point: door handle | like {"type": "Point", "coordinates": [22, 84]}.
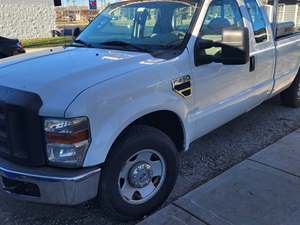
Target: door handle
{"type": "Point", "coordinates": [252, 63]}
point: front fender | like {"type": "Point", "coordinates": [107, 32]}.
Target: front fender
{"type": "Point", "coordinates": [110, 114]}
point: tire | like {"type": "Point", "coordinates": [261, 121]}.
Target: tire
{"type": "Point", "coordinates": [138, 143]}
{"type": "Point", "coordinates": [291, 96]}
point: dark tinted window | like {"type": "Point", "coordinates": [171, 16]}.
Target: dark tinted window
{"type": "Point", "coordinates": [257, 20]}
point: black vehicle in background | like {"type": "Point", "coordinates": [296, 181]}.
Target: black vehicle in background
{"type": "Point", "coordinates": [10, 47]}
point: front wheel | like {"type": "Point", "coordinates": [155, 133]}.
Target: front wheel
{"type": "Point", "coordinates": [291, 96]}
{"type": "Point", "coordinates": [140, 173]}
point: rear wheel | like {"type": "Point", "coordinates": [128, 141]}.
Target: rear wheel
{"type": "Point", "coordinates": [291, 96]}
{"type": "Point", "coordinates": [140, 173]}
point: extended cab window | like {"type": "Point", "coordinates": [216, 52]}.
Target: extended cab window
{"type": "Point", "coordinates": [288, 18]}
{"type": "Point", "coordinates": [287, 21]}
{"type": "Point", "coordinates": [257, 20]}
{"type": "Point", "coordinates": [221, 14]}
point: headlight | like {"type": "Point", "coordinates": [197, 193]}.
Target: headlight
{"type": "Point", "coordinates": [67, 141]}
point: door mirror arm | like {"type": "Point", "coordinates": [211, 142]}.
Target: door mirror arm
{"type": "Point", "coordinates": [205, 44]}
{"type": "Point", "coordinates": [76, 32]}
{"type": "Point", "coordinates": [200, 57]}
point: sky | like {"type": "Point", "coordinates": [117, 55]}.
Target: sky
{"type": "Point", "coordinates": [82, 2]}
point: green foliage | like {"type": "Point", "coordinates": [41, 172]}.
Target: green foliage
{"type": "Point", "coordinates": [46, 42]}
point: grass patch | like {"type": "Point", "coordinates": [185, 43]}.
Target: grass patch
{"type": "Point", "coordinates": [46, 42]}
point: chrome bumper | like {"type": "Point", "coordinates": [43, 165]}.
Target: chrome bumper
{"type": "Point", "coordinates": [49, 185]}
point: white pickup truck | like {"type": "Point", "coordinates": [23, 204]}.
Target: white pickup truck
{"type": "Point", "coordinates": [107, 116]}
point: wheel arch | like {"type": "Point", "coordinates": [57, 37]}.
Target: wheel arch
{"type": "Point", "coordinates": [166, 121]}
{"type": "Point", "coordinates": [166, 116]}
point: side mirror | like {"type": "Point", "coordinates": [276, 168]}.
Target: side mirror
{"type": "Point", "coordinates": [76, 32]}
{"type": "Point", "coordinates": [235, 48]}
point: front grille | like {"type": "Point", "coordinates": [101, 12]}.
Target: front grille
{"type": "Point", "coordinates": [4, 141]}
{"type": "Point", "coordinates": [12, 142]}
{"type": "Point", "coordinates": [21, 133]}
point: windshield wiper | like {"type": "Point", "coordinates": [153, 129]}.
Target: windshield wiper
{"type": "Point", "coordinates": [124, 44]}
{"type": "Point", "coordinates": [82, 43]}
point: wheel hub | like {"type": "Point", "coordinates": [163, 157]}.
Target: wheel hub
{"type": "Point", "coordinates": [140, 175]}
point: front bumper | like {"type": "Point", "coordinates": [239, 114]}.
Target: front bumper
{"type": "Point", "coordinates": [49, 185]}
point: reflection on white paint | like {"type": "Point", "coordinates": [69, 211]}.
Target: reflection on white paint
{"type": "Point", "coordinates": [111, 58]}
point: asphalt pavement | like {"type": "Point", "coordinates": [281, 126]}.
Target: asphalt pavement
{"type": "Point", "coordinates": [208, 157]}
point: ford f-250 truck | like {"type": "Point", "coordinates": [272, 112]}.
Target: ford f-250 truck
{"type": "Point", "coordinates": [107, 116]}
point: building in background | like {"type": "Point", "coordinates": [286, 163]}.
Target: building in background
{"type": "Point", "coordinates": [99, 3]}
{"type": "Point", "coordinates": [74, 15]}
{"type": "Point", "coordinates": [27, 19]}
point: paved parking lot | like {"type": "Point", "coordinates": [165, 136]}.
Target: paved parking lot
{"type": "Point", "coordinates": [208, 157]}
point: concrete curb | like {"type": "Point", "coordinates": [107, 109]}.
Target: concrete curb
{"type": "Point", "coordinates": [262, 190]}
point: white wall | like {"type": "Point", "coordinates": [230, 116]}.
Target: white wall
{"type": "Point", "coordinates": [26, 19]}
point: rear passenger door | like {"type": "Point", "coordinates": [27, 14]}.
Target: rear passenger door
{"type": "Point", "coordinates": [287, 44]}
{"type": "Point", "coordinates": [262, 61]}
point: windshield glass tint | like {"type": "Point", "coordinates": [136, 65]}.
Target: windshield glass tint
{"type": "Point", "coordinates": [155, 24]}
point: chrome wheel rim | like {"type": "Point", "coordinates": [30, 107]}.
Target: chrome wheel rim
{"type": "Point", "coordinates": [142, 176]}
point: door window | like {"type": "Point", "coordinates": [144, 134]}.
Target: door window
{"type": "Point", "coordinates": [221, 14]}
{"type": "Point", "coordinates": [257, 20]}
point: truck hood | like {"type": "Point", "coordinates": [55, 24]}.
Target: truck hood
{"type": "Point", "coordinates": [59, 75]}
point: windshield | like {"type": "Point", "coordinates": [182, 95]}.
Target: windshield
{"type": "Point", "coordinates": [140, 25]}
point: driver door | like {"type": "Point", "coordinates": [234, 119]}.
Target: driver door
{"type": "Point", "coordinates": [221, 92]}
